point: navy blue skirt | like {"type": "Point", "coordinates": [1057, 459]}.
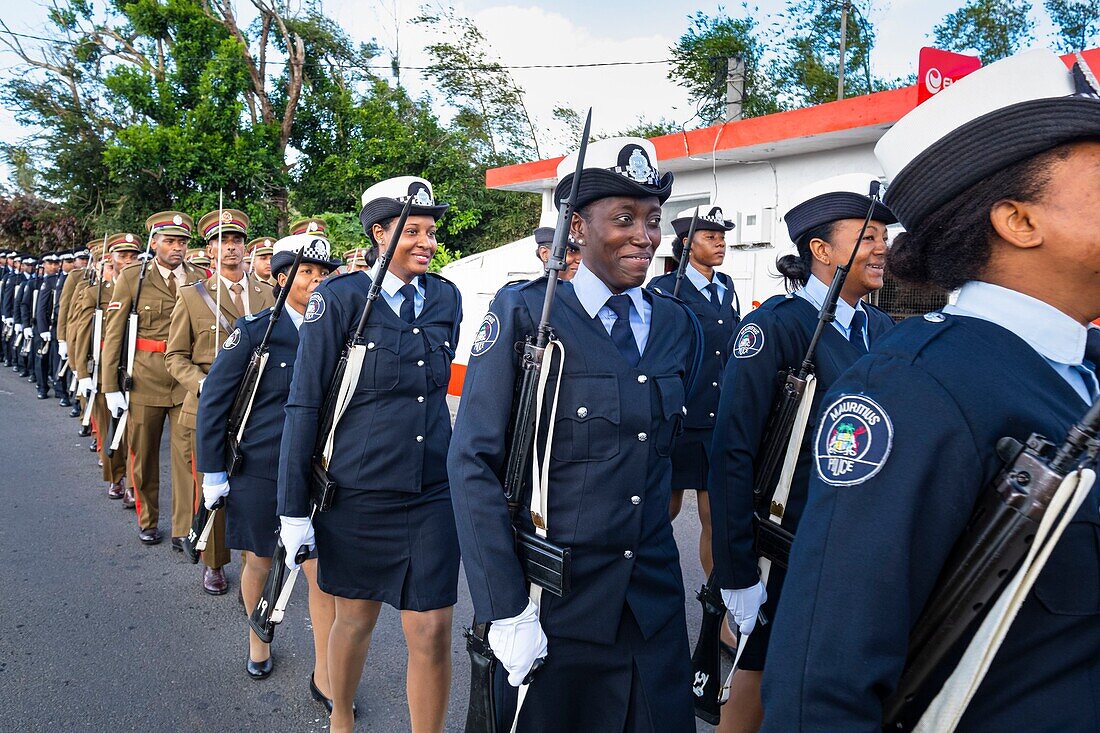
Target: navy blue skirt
{"type": "Point", "coordinates": [251, 515]}
{"type": "Point", "coordinates": [690, 464]}
{"type": "Point", "coordinates": [390, 546]}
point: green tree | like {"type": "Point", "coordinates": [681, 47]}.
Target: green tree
{"type": "Point", "coordinates": [700, 59]}
{"type": "Point", "coordinates": [808, 69]}
{"type": "Point", "coordinates": [995, 28]}
{"type": "Point", "coordinates": [1078, 23]}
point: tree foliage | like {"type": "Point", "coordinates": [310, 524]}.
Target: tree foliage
{"type": "Point", "coordinates": [995, 28]}
{"type": "Point", "coordinates": [1077, 21]}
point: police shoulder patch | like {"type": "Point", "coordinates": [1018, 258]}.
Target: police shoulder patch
{"type": "Point", "coordinates": [315, 307]}
{"type": "Point", "coordinates": [749, 341]}
{"type": "Point", "coordinates": [233, 340]}
{"type": "Point", "coordinates": [486, 336]}
{"type": "Point", "coordinates": [853, 441]}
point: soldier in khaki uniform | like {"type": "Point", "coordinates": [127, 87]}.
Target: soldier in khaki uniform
{"type": "Point", "coordinates": [199, 258]}
{"type": "Point", "coordinates": [155, 396]}
{"type": "Point", "coordinates": [260, 251]}
{"type": "Point", "coordinates": [194, 339]}
{"type": "Point", "coordinates": [122, 250]}
{"type": "Point", "coordinates": [74, 284]}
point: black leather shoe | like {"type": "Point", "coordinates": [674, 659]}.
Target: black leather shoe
{"type": "Point", "coordinates": [319, 696]}
{"type": "Point", "coordinates": [43, 395]}
{"type": "Point", "coordinates": [94, 448]}
{"type": "Point", "coordinates": [260, 670]}
{"type": "Point", "coordinates": [149, 536]}
{"type": "Point", "coordinates": [85, 431]}
{"type": "Point", "coordinates": [75, 412]}
{"type": "Point", "coordinates": [177, 544]}
{"type": "Point", "coordinates": [65, 402]}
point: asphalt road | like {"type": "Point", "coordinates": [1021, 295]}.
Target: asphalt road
{"type": "Point", "coordinates": [98, 632]}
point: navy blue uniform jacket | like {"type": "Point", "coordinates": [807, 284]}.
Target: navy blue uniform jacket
{"type": "Point", "coordinates": [868, 552]}
{"type": "Point", "coordinates": [7, 293]}
{"type": "Point", "coordinates": [395, 432]}
{"type": "Point", "coordinates": [26, 303]}
{"type": "Point", "coordinates": [48, 294]}
{"type": "Point", "coordinates": [719, 326]}
{"type": "Point", "coordinates": [610, 475]}
{"type": "Point", "coordinates": [260, 446]}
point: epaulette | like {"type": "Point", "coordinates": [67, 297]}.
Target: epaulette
{"type": "Point", "coordinates": [915, 334]}
{"type": "Point", "coordinates": [257, 316]}
{"type": "Point", "coordinates": [440, 277]}
{"type": "Point", "coordinates": [663, 294]}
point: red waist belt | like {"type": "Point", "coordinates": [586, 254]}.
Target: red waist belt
{"type": "Point", "coordinates": [151, 345]}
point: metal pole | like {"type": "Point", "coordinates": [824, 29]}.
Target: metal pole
{"type": "Point", "coordinates": [735, 88]}
{"type": "Point", "coordinates": [843, 40]}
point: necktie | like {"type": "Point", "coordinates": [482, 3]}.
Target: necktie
{"type": "Point", "coordinates": [235, 295]}
{"type": "Point", "coordinates": [408, 305]}
{"type": "Point", "coordinates": [855, 332]}
{"type": "Point", "coordinates": [171, 282]}
{"type": "Point", "coordinates": [621, 333]}
{"type": "Point", "coordinates": [714, 299]}
{"type": "Point", "coordinates": [1089, 370]}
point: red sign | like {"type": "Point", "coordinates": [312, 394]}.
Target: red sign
{"type": "Point", "coordinates": [940, 69]}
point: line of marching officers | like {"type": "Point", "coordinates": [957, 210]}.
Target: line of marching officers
{"type": "Point", "coordinates": [658, 394]}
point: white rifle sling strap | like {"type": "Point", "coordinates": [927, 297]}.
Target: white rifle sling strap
{"type": "Point", "coordinates": [779, 503]}
{"type": "Point", "coordinates": [97, 337]}
{"type": "Point", "coordinates": [946, 710]}
{"type": "Point", "coordinates": [540, 473]}
{"type": "Point", "coordinates": [354, 367]}
{"type": "Point", "coordinates": [120, 430]}
{"type": "Point", "coordinates": [252, 397]}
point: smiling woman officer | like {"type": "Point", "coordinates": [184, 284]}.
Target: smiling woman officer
{"type": "Point", "coordinates": [824, 225]}
{"type": "Point", "coordinates": [616, 646]}
{"type": "Point", "coordinates": [251, 518]}
{"type": "Point", "coordinates": [997, 181]}
{"type": "Point", "coordinates": [390, 534]}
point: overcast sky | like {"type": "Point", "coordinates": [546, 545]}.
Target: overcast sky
{"type": "Point", "coordinates": [564, 31]}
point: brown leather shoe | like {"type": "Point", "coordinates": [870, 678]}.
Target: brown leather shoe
{"type": "Point", "coordinates": [115, 490]}
{"type": "Point", "coordinates": [128, 500]}
{"type": "Point", "coordinates": [214, 582]}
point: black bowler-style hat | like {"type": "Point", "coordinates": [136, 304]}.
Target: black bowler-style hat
{"type": "Point", "coordinates": [620, 166]}
{"type": "Point", "coordinates": [831, 199]}
{"type": "Point", "coordinates": [1000, 115]}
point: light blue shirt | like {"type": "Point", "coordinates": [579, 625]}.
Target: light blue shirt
{"type": "Point", "coordinates": [390, 287]}
{"type": "Point", "coordinates": [295, 317]}
{"type": "Point", "coordinates": [1057, 338]}
{"type": "Point", "coordinates": [814, 292]}
{"type": "Point", "coordinates": [593, 294]}
{"type": "Point", "coordinates": [699, 280]}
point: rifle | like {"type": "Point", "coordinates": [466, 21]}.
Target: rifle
{"type": "Point", "coordinates": [545, 565]}
{"type": "Point", "coordinates": [344, 380]}
{"type": "Point", "coordinates": [772, 541]}
{"type": "Point", "coordinates": [985, 558]}
{"type": "Point", "coordinates": [276, 594]}
{"type": "Point", "coordinates": [129, 343]}
{"type": "Point", "coordinates": [97, 340]}
{"type": "Point", "coordinates": [202, 523]}
{"type": "Point", "coordinates": [681, 266]}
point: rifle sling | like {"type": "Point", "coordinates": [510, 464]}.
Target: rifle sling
{"type": "Point", "coordinates": [200, 288]}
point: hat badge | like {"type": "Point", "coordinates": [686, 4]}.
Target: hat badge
{"type": "Point", "coordinates": [267, 243]}
{"type": "Point", "coordinates": [422, 197]}
{"type": "Point", "coordinates": [177, 219]}
{"type": "Point", "coordinates": [312, 227]}
{"type": "Point", "coordinates": [129, 237]}
{"type": "Point", "coordinates": [227, 217]}
{"type": "Point", "coordinates": [638, 167]}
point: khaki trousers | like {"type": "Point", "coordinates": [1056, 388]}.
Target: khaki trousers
{"type": "Point", "coordinates": [144, 431]}
{"type": "Point", "coordinates": [114, 467]}
{"type": "Point", "coordinates": [216, 553]}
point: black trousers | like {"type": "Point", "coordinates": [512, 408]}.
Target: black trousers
{"type": "Point", "coordinates": [635, 685]}
{"type": "Point", "coordinates": [41, 366]}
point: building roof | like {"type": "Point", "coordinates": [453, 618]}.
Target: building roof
{"type": "Point", "coordinates": [853, 121]}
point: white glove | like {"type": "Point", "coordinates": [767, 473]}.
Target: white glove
{"type": "Point", "coordinates": [28, 332]}
{"type": "Point", "coordinates": [295, 532]}
{"type": "Point", "coordinates": [214, 487]}
{"type": "Point", "coordinates": [744, 605]}
{"type": "Point", "coordinates": [19, 327]}
{"type": "Point", "coordinates": [200, 384]}
{"type": "Point", "coordinates": [45, 336]}
{"type": "Point", "coordinates": [85, 386]}
{"type": "Point", "coordinates": [63, 349]}
{"type": "Point", "coordinates": [8, 321]}
{"type": "Point", "coordinates": [518, 642]}
{"type": "Point", "coordinates": [116, 403]}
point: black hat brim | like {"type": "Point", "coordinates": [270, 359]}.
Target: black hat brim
{"type": "Point", "coordinates": [682, 226]}
{"type": "Point", "coordinates": [597, 183]}
{"type": "Point", "coordinates": [544, 236]}
{"type": "Point", "coordinates": [283, 260]}
{"type": "Point", "coordinates": [985, 145]}
{"type": "Point", "coordinates": [382, 209]}
{"type": "Point", "coordinates": [830, 207]}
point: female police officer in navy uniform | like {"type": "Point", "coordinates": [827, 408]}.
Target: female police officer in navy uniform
{"type": "Point", "coordinates": [712, 299]}
{"type": "Point", "coordinates": [997, 182]}
{"type": "Point", "coordinates": [390, 534]}
{"type": "Point", "coordinates": [616, 650]}
{"type": "Point", "coordinates": [252, 520]}
{"type": "Point", "coordinates": [824, 225]}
